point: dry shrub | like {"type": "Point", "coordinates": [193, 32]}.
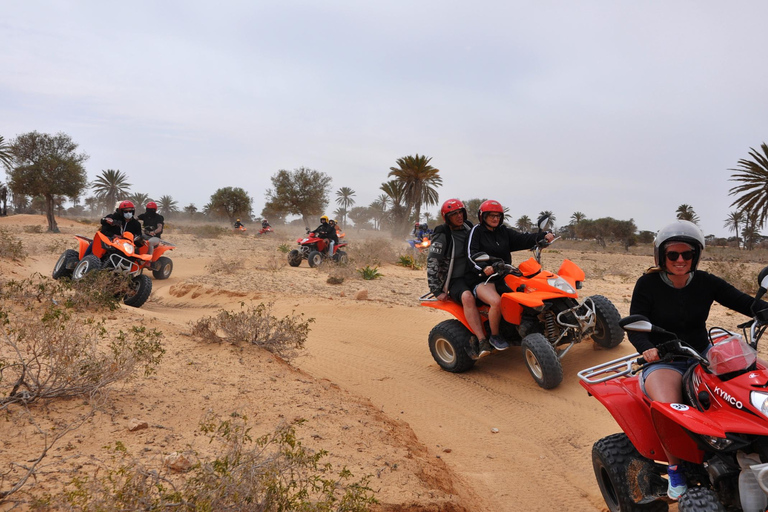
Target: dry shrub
{"type": "Point", "coordinates": [737, 274]}
{"type": "Point", "coordinates": [274, 262]}
{"type": "Point", "coordinates": [372, 252]}
{"type": "Point", "coordinates": [33, 228]}
{"type": "Point", "coordinates": [203, 230]}
{"type": "Point", "coordinates": [11, 247]}
{"type": "Point", "coordinates": [283, 337]}
{"type": "Point", "coordinates": [271, 472]}
{"type": "Point", "coordinates": [225, 266]}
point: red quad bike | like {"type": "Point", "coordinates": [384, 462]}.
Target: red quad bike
{"type": "Point", "coordinates": [542, 315]}
{"type": "Point", "coordinates": [117, 255]}
{"type": "Point", "coordinates": [720, 431]}
{"type": "Point", "coordinates": [266, 230]}
{"type": "Point", "coordinates": [312, 249]}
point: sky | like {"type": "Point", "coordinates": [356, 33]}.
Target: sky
{"type": "Point", "coordinates": [610, 108]}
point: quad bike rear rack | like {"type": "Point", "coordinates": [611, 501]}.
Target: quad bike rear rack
{"type": "Point", "coordinates": [610, 370]}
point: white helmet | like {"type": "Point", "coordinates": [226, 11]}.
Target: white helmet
{"type": "Point", "coordinates": [680, 231]}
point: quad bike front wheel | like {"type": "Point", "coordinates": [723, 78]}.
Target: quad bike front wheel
{"type": "Point", "coordinates": [699, 499]}
{"type": "Point", "coordinates": [542, 361]}
{"type": "Point", "coordinates": [88, 264]}
{"type": "Point", "coordinates": [607, 334]}
{"type": "Point", "coordinates": [294, 258]}
{"type": "Point", "coordinates": [163, 268]}
{"type": "Point", "coordinates": [315, 258]}
{"type": "Point", "coordinates": [449, 343]}
{"type": "Point", "coordinates": [628, 481]}
{"type": "Point", "coordinates": [141, 288]}
{"type": "Point", "coordinates": [67, 262]}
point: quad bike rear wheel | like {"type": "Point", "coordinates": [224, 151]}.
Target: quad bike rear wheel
{"type": "Point", "coordinates": [163, 268]}
{"type": "Point", "coordinates": [607, 334]}
{"type": "Point", "coordinates": [542, 361]}
{"type": "Point", "coordinates": [66, 264]}
{"type": "Point", "coordinates": [315, 258]}
{"type": "Point", "coordinates": [141, 289]}
{"type": "Point", "coordinates": [628, 481]}
{"type": "Point", "coordinates": [294, 258]}
{"type": "Point", "coordinates": [88, 264]}
{"type": "Point", "coordinates": [449, 343]}
{"type": "Point", "coordinates": [699, 499]}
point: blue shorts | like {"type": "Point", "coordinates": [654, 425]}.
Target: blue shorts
{"type": "Point", "coordinates": [679, 366]}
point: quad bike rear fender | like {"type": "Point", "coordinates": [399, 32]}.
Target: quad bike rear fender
{"type": "Point", "coordinates": [625, 401]}
{"type": "Point", "coordinates": [449, 306]}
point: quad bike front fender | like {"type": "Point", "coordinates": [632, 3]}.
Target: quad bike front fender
{"type": "Point", "coordinates": [626, 405]}
{"type": "Point", "coordinates": [449, 306]}
{"type": "Point", "coordinates": [82, 245]}
{"type": "Point", "coordinates": [571, 272]}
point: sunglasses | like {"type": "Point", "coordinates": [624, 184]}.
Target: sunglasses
{"type": "Point", "coordinates": [494, 215]}
{"type": "Point", "coordinates": [674, 255]}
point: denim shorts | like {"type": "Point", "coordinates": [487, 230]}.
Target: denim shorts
{"type": "Point", "coordinates": [678, 366]}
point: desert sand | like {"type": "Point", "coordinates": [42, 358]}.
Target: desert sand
{"type": "Point", "coordinates": [486, 440]}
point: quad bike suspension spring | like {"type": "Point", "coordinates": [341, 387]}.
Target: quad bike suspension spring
{"type": "Point", "coordinates": [550, 326]}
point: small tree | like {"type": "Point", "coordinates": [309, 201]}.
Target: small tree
{"type": "Point", "coordinates": [299, 192]}
{"type": "Point", "coordinates": [231, 203]}
{"type": "Point", "coordinates": [732, 222]}
{"type": "Point", "coordinates": [47, 165]}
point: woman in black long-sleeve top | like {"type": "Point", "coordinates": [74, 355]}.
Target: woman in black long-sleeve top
{"type": "Point", "coordinates": [492, 237]}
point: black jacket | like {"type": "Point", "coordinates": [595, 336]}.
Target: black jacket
{"type": "Point", "coordinates": [498, 243]}
{"type": "Point", "coordinates": [325, 230]}
{"type": "Point", "coordinates": [119, 225]}
{"type": "Point", "coordinates": [440, 258]}
{"type": "Point", "coordinates": [151, 221]}
{"type": "Point", "coordinates": [683, 311]}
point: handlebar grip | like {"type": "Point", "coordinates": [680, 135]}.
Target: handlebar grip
{"type": "Point", "coordinates": [641, 361]}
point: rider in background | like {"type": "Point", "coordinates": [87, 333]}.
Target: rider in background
{"type": "Point", "coordinates": [238, 224]}
{"type": "Point", "coordinates": [676, 296]}
{"type": "Point", "coordinates": [494, 238]}
{"type": "Point", "coordinates": [328, 232]}
{"type": "Point", "coordinates": [421, 230]}
{"type": "Point", "coordinates": [446, 265]}
{"type": "Point", "coordinates": [153, 225]}
{"type": "Point", "coordinates": [264, 224]}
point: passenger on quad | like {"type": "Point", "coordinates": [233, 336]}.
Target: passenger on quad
{"type": "Point", "coordinates": [492, 237]}
{"type": "Point", "coordinates": [153, 225]}
{"type": "Point", "coordinates": [118, 222]}
{"type": "Point", "coordinates": [675, 296]}
{"type": "Point", "coordinates": [421, 230]}
{"type": "Point", "coordinates": [328, 232]}
{"type": "Point", "coordinates": [446, 265]}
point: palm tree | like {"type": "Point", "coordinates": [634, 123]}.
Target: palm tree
{"type": "Point", "coordinates": [751, 231]}
{"type": "Point", "coordinates": [190, 209]}
{"type": "Point", "coordinates": [419, 180]}
{"type": "Point", "coordinates": [577, 217]}
{"type": "Point", "coordinates": [167, 205]}
{"type": "Point", "coordinates": [344, 199]}
{"type": "Point", "coordinates": [732, 222]}
{"type": "Point", "coordinates": [398, 213]}
{"type": "Point", "coordinates": [379, 209]}
{"type": "Point", "coordinates": [524, 224]}
{"type": "Point", "coordinates": [685, 212]}
{"type": "Point", "coordinates": [550, 222]}
{"type": "Point", "coordinates": [5, 153]}
{"type": "Point", "coordinates": [753, 191]}
{"type": "Point", "coordinates": [111, 185]}
{"type": "Point", "coordinates": [139, 199]}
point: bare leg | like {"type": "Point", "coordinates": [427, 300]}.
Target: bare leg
{"type": "Point", "coordinates": [665, 386]}
{"type": "Point", "coordinates": [472, 314]}
{"type": "Point", "coordinates": [488, 294]}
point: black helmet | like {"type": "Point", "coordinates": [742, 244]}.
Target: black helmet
{"type": "Point", "coordinates": [681, 231]}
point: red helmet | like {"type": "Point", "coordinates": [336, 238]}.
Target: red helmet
{"type": "Point", "coordinates": [152, 205]}
{"type": "Point", "coordinates": [488, 207]}
{"type": "Point", "coordinates": [126, 205]}
{"type": "Point", "coordinates": [452, 205]}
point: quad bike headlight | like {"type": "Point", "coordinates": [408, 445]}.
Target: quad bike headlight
{"type": "Point", "coordinates": [561, 284]}
{"type": "Point", "coordinates": [718, 443]}
{"type": "Point", "coordinates": [128, 248]}
{"type": "Point", "coordinates": [759, 401]}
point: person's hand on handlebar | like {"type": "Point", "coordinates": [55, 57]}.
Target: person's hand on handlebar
{"type": "Point", "coordinates": [549, 237]}
{"type": "Point", "coordinates": [651, 355]}
{"type": "Point", "coordinates": [488, 270]}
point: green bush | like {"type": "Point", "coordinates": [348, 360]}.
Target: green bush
{"type": "Point", "coordinates": [368, 273]}
{"type": "Point", "coordinates": [284, 248]}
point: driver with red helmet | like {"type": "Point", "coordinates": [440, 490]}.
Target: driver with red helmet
{"type": "Point", "coordinates": [121, 220]}
{"type": "Point", "coordinates": [492, 237]}
{"type": "Point", "coordinates": [446, 265]}
{"type": "Point", "coordinates": [153, 225]}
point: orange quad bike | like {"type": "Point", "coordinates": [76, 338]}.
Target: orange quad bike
{"type": "Point", "coordinates": [312, 248]}
{"type": "Point", "coordinates": [542, 314]}
{"type": "Point", "coordinates": [118, 254]}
